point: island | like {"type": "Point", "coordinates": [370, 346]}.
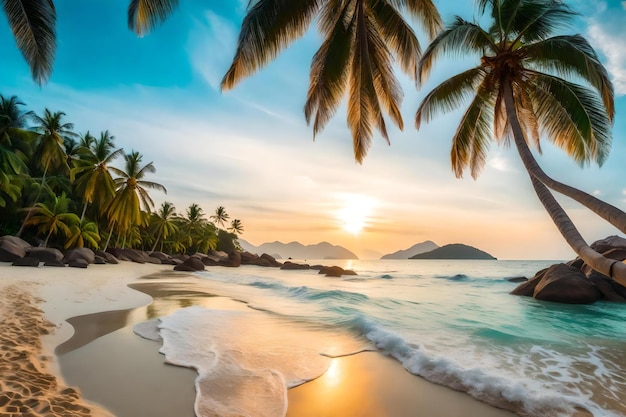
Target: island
{"type": "Point", "coordinates": [454, 251]}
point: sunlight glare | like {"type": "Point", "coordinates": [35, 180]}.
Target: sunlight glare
{"type": "Point", "coordinates": [355, 212]}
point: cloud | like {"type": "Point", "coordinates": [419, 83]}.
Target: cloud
{"type": "Point", "coordinates": [607, 32]}
{"type": "Point", "coordinates": [211, 45]}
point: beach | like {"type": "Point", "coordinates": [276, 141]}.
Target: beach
{"type": "Point", "coordinates": [103, 369]}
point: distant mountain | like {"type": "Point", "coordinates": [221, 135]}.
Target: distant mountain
{"type": "Point", "coordinates": [454, 251]}
{"type": "Point", "coordinates": [369, 254]}
{"type": "Point", "coordinates": [416, 249]}
{"type": "Point", "coordinates": [297, 250]}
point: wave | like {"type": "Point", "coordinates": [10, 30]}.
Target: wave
{"type": "Point", "coordinates": [311, 294]}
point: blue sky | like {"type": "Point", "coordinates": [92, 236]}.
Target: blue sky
{"type": "Point", "coordinates": [250, 150]}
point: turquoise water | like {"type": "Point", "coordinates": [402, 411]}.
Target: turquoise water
{"type": "Point", "coordinates": [451, 322]}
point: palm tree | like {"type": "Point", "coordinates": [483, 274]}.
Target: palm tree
{"type": "Point", "coordinates": [361, 40]}
{"type": "Point", "coordinates": [50, 146]}
{"type": "Point", "coordinates": [515, 90]}
{"type": "Point", "coordinates": [83, 233]}
{"type": "Point", "coordinates": [14, 147]}
{"type": "Point", "coordinates": [163, 223]}
{"type": "Point", "coordinates": [236, 227]}
{"type": "Point", "coordinates": [52, 217]}
{"type": "Point", "coordinates": [95, 182]}
{"type": "Point", "coordinates": [87, 140]}
{"type": "Point", "coordinates": [124, 209]}
{"type": "Point", "coordinates": [220, 217]}
{"type": "Point", "coordinates": [33, 25]}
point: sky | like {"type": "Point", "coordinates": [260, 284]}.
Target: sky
{"type": "Point", "coordinates": [250, 150]}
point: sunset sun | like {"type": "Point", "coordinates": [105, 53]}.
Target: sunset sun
{"type": "Point", "coordinates": [355, 212]}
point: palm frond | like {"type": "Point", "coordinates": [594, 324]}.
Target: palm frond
{"type": "Point", "coordinates": [425, 12]}
{"type": "Point", "coordinates": [572, 117]}
{"type": "Point", "coordinates": [526, 116]}
{"type": "Point", "coordinates": [397, 35]}
{"type": "Point", "coordinates": [461, 37]}
{"type": "Point", "coordinates": [329, 73]}
{"type": "Point", "coordinates": [152, 185]}
{"type": "Point", "coordinates": [449, 95]}
{"type": "Point", "coordinates": [33, 23]}
{"type": "Point", "coordinates": [268, 28]}
{"type": "Point", "coordinates": [143, 15]}
{"type": "Point", "coordinates": [573, 56]}
{"type": "Point", "coordinates": [538, 19]}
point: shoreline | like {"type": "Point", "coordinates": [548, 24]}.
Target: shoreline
{"type": "Point", "coordinates": [103, 290]}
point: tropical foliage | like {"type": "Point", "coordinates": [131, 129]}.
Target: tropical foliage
{"type": "Point", "coordinates": [71, 191]}
{"type": "Point", "coordinates": [529, 84]}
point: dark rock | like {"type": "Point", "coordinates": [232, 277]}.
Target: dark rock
{"type": "Point", "coordinates": [517, 279]}
{"type": "Point", "coordinates": [608, 243]}
{"type": "Point", "coordinates": [78, 263]}
{"type": "Point", "coordinates": [209, 261]}
{"type": "Point", "coordinates": [191, 264]}
{"type": "Point", "coordinates": [607, 287]}
{"type": "Point", "coordinates": [233, 260]}
{"type": "Point", "coordinates": [576, 263]}
{"type": "Point", "coordinates": [565, 284]}
{"type": "Point", "coordinates": [10, 252]}
{"type": "Point", "coordinates": [619, 254]}
{"type": "Point", "coordinates": [181, 256]}
{"type": "Point", "coordinates": [45, 254]}
{"type": "Point", "coordinates": [55, 263]}
{"type": "Point", "coordinates": [335, 271]}
{"type": "Point", "coordinates": [99, 260]}
{"type": "Point", "coordinates": [248, 258]}
{"type": "Point", "coordinates": [26, 261]}
{"type": "Point", "coordinates": [164, 257]}
{"type": "Point", "coordinates": [153, 260]}
{"type": "Point", "coordinates": [217, 255]}
{"type": "Point", "coordinates": [269, 261]}
{"type": "Point", "coordinates": [16, 241]}
{"type": "Point", "coordinates": [108, 257]}
{"type": "Point", "coordinates": [317, 267]}
{"type": "Point", "coordinates": [79, 253]}
{"type": "Point", "coordinates": [527, 289]}
{"type": "Point", "coordinates": [288, 265]}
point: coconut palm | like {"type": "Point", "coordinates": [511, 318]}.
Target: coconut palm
{"type": "Point", "coordinates": [124, 209]}
{"type": "Point", "coordinates": [163, 223]}
{"type": "Point", "coordinates": [94, 181]}
{"type": "Point", "coordinates": [236, 227]}
{"type": "Point", "coordinates": [83, 233]}
{"type": "Point", "coordinates": [220, 217]}
{"type": "Point", "coordinates": [520, 89]}
{"type": "Point", "coordinates": [50, 147]}
{"type": "Point", "coordinates": [362, 40]}
{"type": "Point", "coordinates": [33, 25]}
{"type": "Point", "coordinates": [87, 140]}
{"type": "Point", "coordinates": [52, 217]}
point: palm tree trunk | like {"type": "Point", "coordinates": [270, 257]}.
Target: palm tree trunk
{"type": "Point", "coordinates": [82, 215]}
{"type": "Point", "coordinates": [157, 241]}
{"type": "Point", "coordinates": [30, 212]}
{"type": "Point", "coordinates": [609, 267]}
{"type": "Point", "coordinates": [109, 237]}
{"type": "Point", "coordinates": [607, 211]}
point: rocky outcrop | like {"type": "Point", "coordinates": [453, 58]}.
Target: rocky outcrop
{"type": "Point", "coordinates": [12, 248]}
{"type": "Point", "coordinates": [108, 257]}
{"type": "Point", "coordinates": [288, 265]}
{"type": "Point", "coordinates": [335, 271]}
{"type": "Point", "coordinates": [45, 254]}
{"type": "Point", "coordinates": [191, 264]}
{"type": "Point", "coordinates": [575, 282]}
{"type": "Point", "coordinates": [265, 260]}
{"type": "Point", "coordinates": [78, 263]}
{"type": "Point", "coordinates": [79, 253]}
{"type": "Point", "coordinates": [26, 261]}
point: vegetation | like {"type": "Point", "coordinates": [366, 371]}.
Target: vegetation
{"type": "Point", "coordinates": [63, 192]}
{"type": "Point", "coordinates": [521, 89]}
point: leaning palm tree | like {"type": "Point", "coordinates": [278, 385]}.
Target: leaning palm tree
{"type": "Point", "coordinates": [236, 227]}
{"type": "Point", "coordinates": [84, 233]}
{"type": "Point", "coordinates": [33, 25]}
{"type": "Point", "coordinates": [520, 89]}
{"type": "Point", "coordinates": [124, 210]}
{"type": "Point", "coordinates": [163, 223]}
{"type": "Point", "coordinates": [362, 41]}
{"type": "Point", "coordinates": [52, 217]}
{"type": "Point", "coordinates": [220, 217]}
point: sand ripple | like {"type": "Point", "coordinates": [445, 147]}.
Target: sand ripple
{"type": "Point", "coordinates": [27, 389]}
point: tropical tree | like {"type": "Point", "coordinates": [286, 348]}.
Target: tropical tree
{"type": "Point", "coordinates": [163, 223]}
{"type": "Point", "coordinates": [220, 217]}
{"type": "Point", "coordinates": [52, 217]}
{"type": "Point", "coordinates": [13, 147]}
{"type": "Point", "coordinates": [361, 40]}
{"type": "Point", "coordinates": [87, 140]}
{"type": "Point", "coordinates": [95, 182]}
{"type": "Point", "coordinates": [520, 89]}
{"type": "Point", "coordinates": [33, 25]}
{"type": "Point", "coordinates": [83, 233]}
{"type": "Point", "coordinates": [236, 227]}
{"type": "Point", "coordinates": [124, 209]}
{"type": "Point", "coordinates": [50, 147]}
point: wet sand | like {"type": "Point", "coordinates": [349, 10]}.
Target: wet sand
{"type": "Point", "coordinates": [101, 365]}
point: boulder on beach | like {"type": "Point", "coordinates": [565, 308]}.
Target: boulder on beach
{"type": "Point", "coordinates": [576, 282]}
{"type": "Point", "coordinates": [288, 265]}
{"type": "Point", "coordinates": [78, 263]}
{"type": "Point", "coordinates": [26, 261]}
{"type": "Point", "coordinates": [79, 253]}
{"type": "Point", "coordinates": [12, 248]}
{"type": "Point", "coordinates": [335, 271]}
{"type": "Point", "coordinates": [45, 254]}
{"type": "Point", "coordinates": [191, 264]}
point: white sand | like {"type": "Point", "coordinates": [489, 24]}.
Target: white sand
{"type": "Point", "coordinates": [34, 304]}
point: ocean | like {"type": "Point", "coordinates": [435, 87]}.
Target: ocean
{"type": "Point", "coordinates": [450, 322]}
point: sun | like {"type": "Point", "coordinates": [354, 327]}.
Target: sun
{"type": "Point", "coordinates": [355, 212]}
